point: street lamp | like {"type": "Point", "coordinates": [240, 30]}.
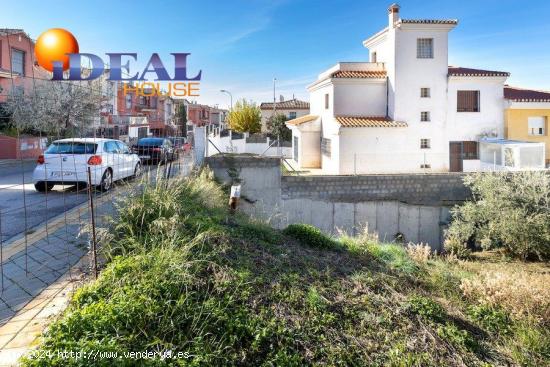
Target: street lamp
{"type": "Point", "coordinates": [230, 96]}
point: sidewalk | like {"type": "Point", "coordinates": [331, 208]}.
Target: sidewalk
{"type": "Point", "coordinates": [56, 264]}
{"type": "Point", "coordinates": [57, 261]}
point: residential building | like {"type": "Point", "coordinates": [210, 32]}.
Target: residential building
{"type": "Point", "coordinates": [406, 110]}
{"type": "Point", "coordinates": [17, 64]}
{"type": "Point", "coordinates": [292, 108]}
{"type": "Point", "coordinates": [526, 116]}
{"type": "Point", "coordinates": [159, 110]}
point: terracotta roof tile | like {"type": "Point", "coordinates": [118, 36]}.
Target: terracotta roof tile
{"type": "Point", "coordinates": [525, 95]}
{"type": "Point", "coordinates": [361, 74]}
{"type": "Point", "coordinates": [295, 104]}
{"type": "Point", "coordinates": [429, 21]}
{"type": "Point", "coordinates": [459, 71]}
{"type": "Point", "coordinates": [368, 121]}
{"type": "Point", "coordinates": [301, 120]}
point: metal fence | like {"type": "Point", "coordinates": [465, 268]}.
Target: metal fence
{"type": "Point", "coordinates": [52, 205]}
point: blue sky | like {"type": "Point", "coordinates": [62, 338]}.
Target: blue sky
{"type": "Point", "coordinates": [241, 45]}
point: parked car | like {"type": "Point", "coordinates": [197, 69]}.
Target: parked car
{"type": "Point", "coordinates": [179, 143]}
{"type": "Point", "coordinates": [66, 162]}
{"type": "Point", "coordinates": [155, 150]}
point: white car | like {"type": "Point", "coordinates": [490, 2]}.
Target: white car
{"type": "Point", "coordinates": [66, 162]}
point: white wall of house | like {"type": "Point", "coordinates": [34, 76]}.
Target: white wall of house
{"type": "Point", "coordinates": [309, 149]}
{"type": "Point", "coordinates": [489, 121]}
{"type": "Point", "coordinates": [360, 97]}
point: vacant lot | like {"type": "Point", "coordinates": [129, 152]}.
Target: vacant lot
{"type": "Point", "coordinates": [183, 275]}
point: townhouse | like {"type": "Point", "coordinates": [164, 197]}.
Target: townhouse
{"type": "Point", "coordinates": [406, 110]}
{"type": "Point", "coordinates": [526, 116]}
{"type": "Point", "coordinates": [292, 108]}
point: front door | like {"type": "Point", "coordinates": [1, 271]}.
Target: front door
{"type": "Point", "coordinates": [455, 156]}
{"type": "Point", "coordinates": [460, 151]}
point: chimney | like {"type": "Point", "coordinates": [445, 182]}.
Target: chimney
{"type": "Point", "coordinates": [393, 14]}
{"type": "Point", "coordinates": [281, 98]}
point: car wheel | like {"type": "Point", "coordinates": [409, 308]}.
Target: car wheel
{"type": "Point", "coordinates": [42, 186]}
{"type": "Point", "coordinates": [106, 181]}
{"type": "Point", "coordinates": [137, 171]}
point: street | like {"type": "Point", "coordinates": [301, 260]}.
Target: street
{"type": "Point", "coordinates": [23, 208]}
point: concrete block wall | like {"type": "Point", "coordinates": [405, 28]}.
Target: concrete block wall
{"type": "Point", "coordinates": [415, 205]}
{"type": "Point", "coordinates": [420, 189]}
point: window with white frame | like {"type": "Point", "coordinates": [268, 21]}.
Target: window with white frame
{"type": "Point", "coordinates": [292, 115]}
{"type": "Point", "coordinates": [373, 57]}
{"type": "Point", "coordinates": [536, 125]}
{"type": "Point", "coordinates": [424, 143]}
{"type": "Point", "coordinates": [425, 116]}
{"type": "Point", "coordinates": [424, 92]}
{"type": "Point", "coordinates": [425, 48]}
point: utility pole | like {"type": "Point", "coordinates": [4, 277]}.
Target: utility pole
{"type": "Point", "coordinates": [274, 114]}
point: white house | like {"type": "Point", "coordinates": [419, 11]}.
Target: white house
{"type": "Point", "coordinates": [406, 110]}
{"type": "Point", "coordinates": [292, 108]}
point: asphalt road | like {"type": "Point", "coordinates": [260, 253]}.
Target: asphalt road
{"type": "Point", "coordinates": [22, 208]}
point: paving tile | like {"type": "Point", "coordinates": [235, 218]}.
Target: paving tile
{"type": "Point", "coordinates": [22, 339]}
{"type": "Point", "coordinates": [49, 277]}
{"type": "Point", "coordinates": [33, 286]}
{"type": "Point", "coordinates": [6, 315]}
{"type": "Point", "coordinates": [4, 339]}
{"type": "Point", "coordinates": [10, 269]}
{"type": "Point", "coordinates": [26, 313]}
{"type": "Point", "coordinates": [13, 327]}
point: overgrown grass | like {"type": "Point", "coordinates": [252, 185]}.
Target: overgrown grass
{"type": "Point", "coordinates": [183, 275]}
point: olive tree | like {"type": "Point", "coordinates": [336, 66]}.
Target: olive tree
{"type": "Point", "coordinates": [510, 211]}
{"type": "Point", "coordinates": [276, 127]}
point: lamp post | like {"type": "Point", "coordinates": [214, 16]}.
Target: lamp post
{"type": "Point", "coordinates": [230, 96]}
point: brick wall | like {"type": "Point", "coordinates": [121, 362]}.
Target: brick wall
{"type": "Point", "coordinates": [421, 189]}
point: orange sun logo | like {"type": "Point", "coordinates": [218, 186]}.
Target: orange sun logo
{"type": "Point", "coordinates": [53, 45]}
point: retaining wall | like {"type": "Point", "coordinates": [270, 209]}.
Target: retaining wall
{"type": "Point", "coordinates": [413, 205]}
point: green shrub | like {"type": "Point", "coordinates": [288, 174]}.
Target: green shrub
{"type": "Point", "coordinates": [493, 320]}
{"type": "Point", "coordinates": [456, 336]}
{"type": "Point", "coordinates": [312, 236]}
{"type": "Point", "coordinates": [426, 308]}
{"type": "Point", "coordinates": [456, 247]}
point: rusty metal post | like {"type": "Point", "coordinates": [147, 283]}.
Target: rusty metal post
{"type": "Point", "coordinates": [92, 216]}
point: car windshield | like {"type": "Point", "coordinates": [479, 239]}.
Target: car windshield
{"type": "Point", "coordinates": [150, 142]}
{"type": "Point", "coordinates": [71, 147]}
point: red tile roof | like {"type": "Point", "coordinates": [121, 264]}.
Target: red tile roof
{"type": "Point", "coordinates": [429, 21]}
{"type": "Point", "coordinates": [459, 71]}
{"type": "Point", "coordinates": [301, 120]}
{"type": "Point", "coordinates": [291, 104]}
{"type": "Point", "coordinates": [368, 121]}
{"type": "Point", "coordinates": [360, 74]}
{"type": "Point", "coordinates": [525, 95]}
